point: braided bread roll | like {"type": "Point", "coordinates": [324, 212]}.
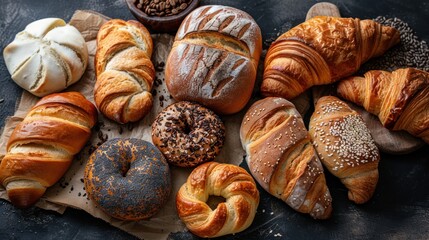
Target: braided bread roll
{"type": "Point", "coordinates": [400, 98]}
{"type": "Point", "coordinates": [282, 159]}
{"type": "Point", "coordinates": [124, 71]}
{"type": "Point", "coordinates": [214, 58]}
{"type": "Point", "coordinates": [345, 147]}
{"type": "Point", "coordinates": [42, 146]}
{"type": "Point", "coordinates": [320, 51]}
{"type": "Point", "coordinates": [217, 179]}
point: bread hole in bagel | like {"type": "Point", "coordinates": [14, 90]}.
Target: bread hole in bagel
{"type": "Point", "coordinates": [186, 129]}
{"type": "Point", "coordinates": [214, 200]}
{"type": "Point", "coordinates": [125, 168]}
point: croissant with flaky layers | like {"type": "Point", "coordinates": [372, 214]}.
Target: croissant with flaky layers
{"type": "Point", "coordinates": [320, 51]}
{"type": "Point", "coordinates": [282, 159]}
{"type": "Point", "coordinates": [231, 182]}
{"type": "Point", "coordinates": [124, 71]}
{"type": "Point", "coordinates": [400, 98]}
{"type": "Point", "coordinates": [42, 146]}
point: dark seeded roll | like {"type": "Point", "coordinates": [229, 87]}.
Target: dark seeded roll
{"type": "Point", "coordinates": [128, 179]}
{"type": "Point", "coordinates": [188, 134]}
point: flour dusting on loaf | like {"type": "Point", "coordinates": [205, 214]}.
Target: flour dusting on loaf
{"type": "Point", "coordinates": [226, 20]}
{"type": "Point", "coordinates": [214, 58]}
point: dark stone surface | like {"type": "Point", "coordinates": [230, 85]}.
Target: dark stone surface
{"type": "Point", "coordinates": [398, 210]}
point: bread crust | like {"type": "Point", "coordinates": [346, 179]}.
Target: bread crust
{"type": "Point", "coordinates": [217, 179]}
{"type": "Point", "coordinates": [42, 146]}
{"type": "Point", "coordinates": [128, 179]}
{"type": "Point", "coordinates": [320, 51]}
{"type": "Point", "coordinates": [214, 58]}
{"type": "Point", "coordinates": [281, 157]}
{"type": "Point", "coordinates": [345, 147]}
{"type": "Point", "coordinates": [398, 98]}
{"type": "Point", "coordinates": [124, 71]}
{"type": "Point", "coordinates": [188, 134]}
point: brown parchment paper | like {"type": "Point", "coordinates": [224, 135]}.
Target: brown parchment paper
{"type": "Point", "coordinates": [69, 191]}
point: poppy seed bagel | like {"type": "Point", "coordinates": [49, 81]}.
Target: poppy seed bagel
{"type": "Point", "coordinates": [128, 179]}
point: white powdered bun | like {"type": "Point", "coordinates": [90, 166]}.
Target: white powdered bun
{"type": "Point", "coordinates": [47, 57]}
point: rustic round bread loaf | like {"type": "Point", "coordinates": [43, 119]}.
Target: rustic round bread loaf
{"type": "Point", "coordinates": [128, 179]}
{"type": "Point", "coordinates": [47, 56]}
{"type": "Point", "coordinates": [214, 58]}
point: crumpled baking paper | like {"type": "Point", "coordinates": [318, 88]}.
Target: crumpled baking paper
{"type": "Point", "coordinates": [69, 191]}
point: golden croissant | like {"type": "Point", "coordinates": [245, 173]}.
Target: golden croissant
{"type": "Point", "coordinates": [124, 71]}
{"type": "Point", "coordinates": [42, 146]}
{"type": "Point", "coordinates": [321, 51]}
{"type": "Point", "coordinates": [282, 159]}
{"type": "Point", "coordinates": [345, 147]}
{"type": "Point", "coordinates": [231, 182]}
{"type": "Point", "coordinates": [400, 98]}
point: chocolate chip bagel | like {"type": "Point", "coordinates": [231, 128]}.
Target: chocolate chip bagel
{"type": "Point", "coordinates": [128, 179]}
{"type": "Point", "coordinates": [188, 134]}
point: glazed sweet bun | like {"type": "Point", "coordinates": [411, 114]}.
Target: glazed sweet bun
{"type": "Point", "coordinates": [47, 56]}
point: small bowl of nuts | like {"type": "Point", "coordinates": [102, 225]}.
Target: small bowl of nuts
{"type": "Point", "coordinates": [161, 15]}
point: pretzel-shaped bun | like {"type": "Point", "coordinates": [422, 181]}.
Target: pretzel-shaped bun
{"type": "Point", "coordinates": [231, 182]}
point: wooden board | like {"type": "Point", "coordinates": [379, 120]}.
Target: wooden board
{"type": "Point", "coordinates": [393, 142]}
{"type": "Point", "coordinates": [323, 9]}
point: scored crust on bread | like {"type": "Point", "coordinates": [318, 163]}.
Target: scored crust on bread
{"type": "Point", "coordinates": [214, 58]}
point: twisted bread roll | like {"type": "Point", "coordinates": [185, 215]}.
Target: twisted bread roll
{"type": "Point", "coordinates": [400, 99]}
{"type": "Point", "coordinates": [320, 51]}
{"type": "Point", "coordinates": [281, 158]}
{"type": "Point", "coordinates": [124, 71]}
{"type": "Point", "coordinates": [42, 146]}
{"type": "Point", "coordinates": [345, 147]}
{"type": "Point", "coordinates": [217, 179]}
{"type": "Point", "coordinates": [47, 57]}
{"type": "Point", "coordinates": [214, 58]}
